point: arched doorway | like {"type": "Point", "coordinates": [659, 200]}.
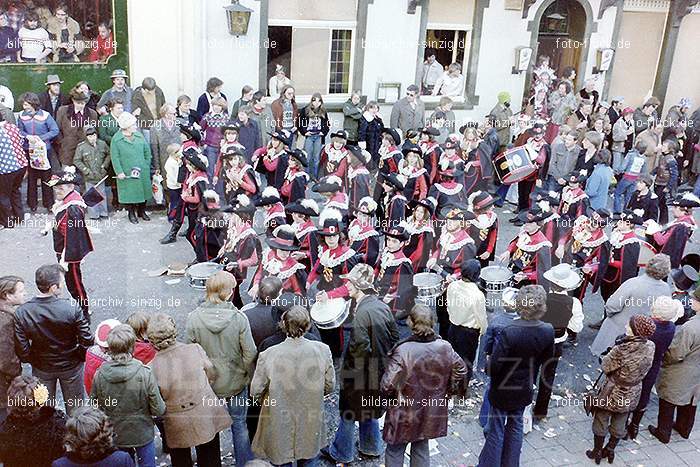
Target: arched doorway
{"type": "Point", "coordinates": [561, 30]}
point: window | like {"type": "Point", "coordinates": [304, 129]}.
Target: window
{"type": "Point", "coordinates": [341, 47]}
{"type": "Point", "coordinates": [448, 44]}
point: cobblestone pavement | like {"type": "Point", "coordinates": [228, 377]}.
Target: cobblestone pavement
{"type": "Point", "coordinates": [115, 275]}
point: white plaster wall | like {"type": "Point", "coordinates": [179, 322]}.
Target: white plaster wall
{"type": "Point", "coordinates": [182, 43]}
{"type": "Point", "coordinates": [391, 45]}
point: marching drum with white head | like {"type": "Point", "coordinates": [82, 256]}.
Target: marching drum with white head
{"type": "Point", "coordinates": [200, 272]}
{"type": "Point", "coordinates": [429, 286]}
{"type": "Point", "coordinates": [494, 280]}
{"type": "Point", "coordinates": [331, 313]}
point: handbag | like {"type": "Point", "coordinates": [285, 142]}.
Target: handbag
{"type": "Point", "coordinates": [590, 396]}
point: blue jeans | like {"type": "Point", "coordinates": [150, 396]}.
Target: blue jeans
{"type": "Point", "coordinates": [312, 146]}
{"type": "Point", "coordinates": [553, 184]}
{"type": "Point", "coordinates": [504, 439]}
{"type": "Point", "coordinates": [696, 188]}
{"type": "Point", "coordinates": [238, 410]}
{"type": "Point", "coordinates": [343, 447]}
{"type": "Point", "coordinates": [302, 463]}
{"type": "Point", "coordinates": [485, 408]}
{"type": "Point", "coordinates": [618, 162]}
{"type": "Point", "coordinates": [145, 455]}
{"type": "Point", "coordinates": [623, 193]}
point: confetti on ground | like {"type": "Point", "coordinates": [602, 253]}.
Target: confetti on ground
{"type": "Point", "coordinates": [550, 433]}
{"type": "Point", "coordinates": [172, 281]}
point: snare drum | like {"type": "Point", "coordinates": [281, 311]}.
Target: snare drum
{"type": "Point", "coordinates": [428, 285]}
{"type": "Point", "coordinates": [646, 252]}
{"type": "Point", "coordinates": [496, 278]}
{"type": "Point", "coordinates": [200, 272]}
{"type": "Point", "coordinates": [331, 313]}
{"type": "Point", "coordinates": [515, 164]}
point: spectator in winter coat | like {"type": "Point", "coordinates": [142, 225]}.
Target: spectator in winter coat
{"type": "Point", "coordinates": [644, 115]}
{"type": "Point", "coordinates": [622, 137]}
{"type": "Point", "coordinates": [313, 125]}
{"type": "Point", "coordinates": [408, 113]}
{"type": "Point", "coordinates": [666, 181]}
{"type": "Point", "coordinates": [92, 160]}
{"type": "Point", "coordinates": [352, 113]}
{"type": "Point", "coordinates": [652, 137]}
{"type": "Point", "coordinates": [119, 90]}
{"type": "Point", "coordinates": [370, 131]}
{"type": "Point", "coordinates": [146, 102]}
{"type": "Point", "coordinates": [72, 119]}
{"type": "Point", "coordinates": [262, 115]}
{"type": "Point", "coordinates": [563, 158]}
{"type": "Point", "coordinates": [632, 167]}
{"type": "Point", "coordinates": [598, 183]}
{"type": "Point", "coordinates": [285, 112]}
{"type": "Point", "coordinates": [213, 91]}
{"type": "Point", "coordinates": [249, 134]}
{"type": "Point", "coordinates": [246, 99]}
{"type": "Point", "coordinates": [11, 295]}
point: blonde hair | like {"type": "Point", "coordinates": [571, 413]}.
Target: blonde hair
{"type": "Point", "coordinates": [121, 341]}
{"type": "Point", "coordinates": [138, 321]}
{"type": "Point", "coordinates": [172, 149]}
{"type": "Point", "coordinates": [220, 287]}
{"type": "Point", "coordinates": [221, 102]}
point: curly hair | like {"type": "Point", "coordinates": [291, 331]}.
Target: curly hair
{"type": "Point", "coordinates": [296, 321]}
{"type": "Point", "coordinates": [531, 302]}
{"type": "Point", "coordinates": [162, 332]}
{"type": "Point", "coordinates": [89, 435]}
{"type": "Point", "coordinates": [659, 267]}
{"type": "Point", "coordinates": [421, 321]}
{"type": "Point", "coordinates": [21, 395]}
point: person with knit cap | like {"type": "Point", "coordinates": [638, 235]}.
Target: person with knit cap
{"type": "Point", "coordinates": [466, 308]}
{"type": "Point", "coordinates": [501, 116]}
{"type": "Point", "coordinates": [679, 379]}
{"type": "Point", "coordinates": [664, 311]}
{"type": "Point", "coordinates": [624, 367]}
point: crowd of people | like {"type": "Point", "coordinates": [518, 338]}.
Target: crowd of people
{"type": "Point", "coordinates": [328, 300]}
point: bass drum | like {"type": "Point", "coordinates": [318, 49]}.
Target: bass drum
{"type": "Point", "coordinates": [515, 164]}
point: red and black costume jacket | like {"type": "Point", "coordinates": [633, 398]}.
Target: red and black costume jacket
{"type": "Point", "coordinates": [193, 188]}
{"type": "Point", "coordinates": [541, 160]}
{"type": "Point", "coordinates": [242, 247]}
{"type": "Point", "coordinates": [364, 239]}
{"type": "Point", "coordinates": [274, 216]}
{"type": "Point", "coordinates": [673, 238]}
{"type": "Point", "coordinates": [584, 248]}
{"type": "Point", "coordinates": [219, 162]}
{"type": "Point", "coordinates": [335, 162]}
{"type": "Point", "coordinates": [484, 231]}
{"type": "Point", "coordinates": [420, 245]}
{"type": "Point", "coordinates": [71, 239]}
{"type": "Point", "coordinates": [331, 264]}
{"type": "Point", "coordinates": [554, 232]}
{"type": "Point", "coordinates": [294, 185]}
{"type": "Point", "coordinates": [574, 203]}
{"type": "Point", "coordinates": [395, 281]}
{"type": "Point", "coordinates": [389, 159]}
{"type": "Point", "coordinates": [272, 165]}
{"type": "Point", "coordinates": [416, 183]}
{"type": "Point", "coordinates": [209, 234]}
{"type": "Point", "coordinates": [472, 173]}
{"type": "Point", "coordinates": [248, 185]}
{"type": "Point", "coordinates": [308, 242]}
{"type": "Point", "coordinates": [358, 182]}
{"type": "Point", "coordinates": [431, 159]}
{"type": "Point", "coordinates": [291, 272]}
{"type": "Point", "coordinates": [619, 260]}
{"type": "Point", "coordinates": [447, 193]}
{"type": "Point", "coordinates": [394, 209]}
{"type": "Point", "coordinates": [531, 255]}
{"type": "Point", "coordinates": [452, 252]}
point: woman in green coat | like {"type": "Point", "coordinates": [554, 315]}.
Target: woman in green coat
{"type": "Point", "coordinates": [131, 159]}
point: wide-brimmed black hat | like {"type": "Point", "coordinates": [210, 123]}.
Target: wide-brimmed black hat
{"type": "Point", "coordinates": [340, 134]}
{"type": "Point", "coordinates": [69, 175]}
{"type": "Point", "coordinates": [632, 217]}
{"type": "Point", "coordinates": [428, 130]}
{"type": "Point", "coordinates": [685, 277]}
{"type": "Point", "coordinates": [367, 205]}
{"type": "Point", "coordinates": [410, 147]}
{"type": "Point", "coordinates": [191, 132]}
{"type": "Point", "coordinates": [329, 184]}
{"type": "Point", "coordinates": [686, 200]}
{"type": "Point", "coordinates": [575, 177]}
{"type": "Point", "coordinates": [299, 155]}
{"type": "Point", "coordinates": [330, 222]}
{"type": "Point", "coordinates": [450, 144]}
{"type": "Point", "coordinates": [481, 200]}
{"type": "Point", "coordinates": [428, 203]}
{"type": "Point", "coordinates": [399, 232]}
{"type": "Point", "coordinates": [394, 135]}
{"type": "Point", "coordinates": [269, 196]}
{"type": "Point", "coordinates": [241, 205]}
{"type": "Point", "coordinates": [232, 127]}
{"type": "Point", "coordinates": [283, 238]}
{"type": "Point", "coordinates": [196, 158]}
{"type": "Point", "coordinates": [551, 197]}
{"type": "Point", "coordinates": [307, 207]}
{"type": "Point", "coordinates": [456, 212]}
{"type": "Point", "coordinates": [536, 215]}
{"type": "Point", "coordinates": [282, 135]}
{"type": "Point", "coordinates": [393, 180]}
{"type": "Point", "coordinates": [233, 150]}
{"type": "Point", "coordinates": [469, 124]}
{"type": "Point", "coordinates": [360, 154]}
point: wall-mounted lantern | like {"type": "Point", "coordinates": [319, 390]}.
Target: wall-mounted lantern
{"type": "Point", "coordinates": [238, 18]}
{"type": "Point", "coordinates": [603, 60]}
{"type": "Point", "coordinates": [523, 55]}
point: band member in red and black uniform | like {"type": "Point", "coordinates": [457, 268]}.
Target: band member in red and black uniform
{"type": "Point", "coordinates": [395, 273]}
{"type": "Point", "coordinates": [331, 188]}
{"type": "Point", "coordinates": [471, 147]}
{"type": "Point", "coordinates": [238, 177]}
{"type": "Point", "coordinates": [431, 152]}
{"type": "Point", "coordinates": [302, 211]}
{"type": "Point", "coordinates": [585, 244]}
{"type": "Point", "coordinates": [272, 159]}
{"type": "Point", "coordinates": [539, 146]}
{"type": "Point", "coordinates": [529, 254]}
{"type": "Point", "coordinates": [419, 226]}
{"type": "Point", "coordinates": [551, 226]}
{"type": "Point", "coordinates": [645, 199]}
{"type": "Point", "coordinates": [296, 178]}
{"type": "Point", "coordinates": [71, 239]}
{"type": "Point", "coordinates": [394, 201]}
{"type": "Point", "coordinates": [684, 282]}
{"type": "Point", "coordinates": [362, 235]}
{"type": "Point", "coordinates": [672, 238]}
{"type": "Point", "coordinates": [574, 200]}
{"type": "Point", "coordinates": [484, 228]}
{"type": "Point", "coordinates": [241, 249]}
{"type": "Point", "coordinates": [411, 167]}
{"type": "Point", "coordinates": [358, 176]}
{"type": "Point", "coordinates": [447, 192]}
{"type": "Point", "coordinates": [454, 248]}
{"type": "Point", "coordinates": [389, 152]}
{"type": "Point", "coordinates": [193, 189]}
{"type": "Point", "coordinates": [619, 258]}
{"type": "Point", "coordinates": [279, 262]}
{"type": "Point", "coordinates": [210, 230]}
{"type": "Point", "coordinates": [334, 157]}
{"type": "Point", "coordinates": [335, 260]}
{"type": "Point", "coordinates": [272, 205]}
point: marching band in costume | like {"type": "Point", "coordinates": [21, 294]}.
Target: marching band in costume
{"type": "Point", "coordinates": [210, 229]}
{"type": "Point", "coordinates": [358, 176]}
{"type": "Point", "coordinates": [296, 178]}
{"type": "Point", "coordinates": [395, 273]}
{"type": "Point", "coordinates": [411, 168]}
{"type": "Point", "coordinates": [272, 160]}
{"type": "Point", "coordinates": [422, 235]}
{"type": "Point", "coordinates": [362, 235]}
{"type": "Point", "coordinates": [334, 157]}
{"type": "Point", "coordinates": [272, 205]}
{"type": "Point", "coordinates": [238, 177]}
{"type": "Point", "coordinates": [484, 227]}
{"type": "Point", "coordinates": [672, 238]}
{"type": "Point", "coordinates": [431, 151]}
{"type": "Point", "coordinates": [305, 230]}
{"type": "Point", "coordinates": [394, 201]}
{"type": "Point", "coordinates": [529, 254]}
{"type": "Point", "coordinates": [193, 189]}
{"type": "Point", "coordinates": [278, 261]}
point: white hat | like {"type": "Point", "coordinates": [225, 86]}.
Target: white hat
{"type": "Point", "coordinates": [666, 308]}
{"type": "Point", "coordinates": [564, 276]}
{"type": "Point", "coordinates": [103, 330]}
{"type": "Point", "coordinates": [126, 120]}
